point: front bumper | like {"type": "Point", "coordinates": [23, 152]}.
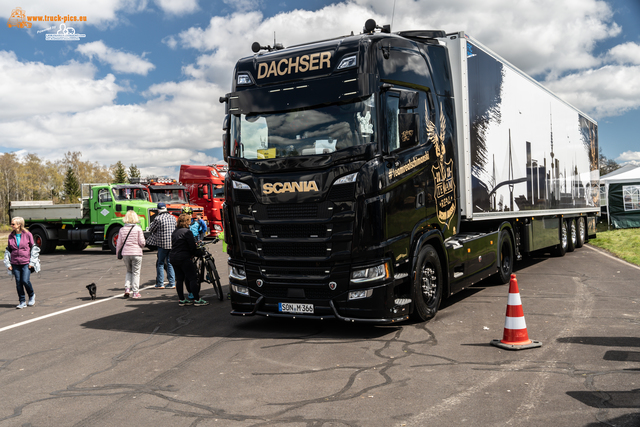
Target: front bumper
{"type": "Point", "coordinates": [377, 309]}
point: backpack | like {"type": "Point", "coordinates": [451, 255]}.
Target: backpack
{"type": "Point", "coordinates": [195, 229]}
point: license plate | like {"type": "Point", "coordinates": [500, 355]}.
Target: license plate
{"type": "Point", "coordinates": [285, 307]}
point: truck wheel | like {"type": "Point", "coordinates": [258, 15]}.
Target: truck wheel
{"type": "Point", "coordinates": [561, 248]}
{"type": "Point", "coordinates": [112, 239]}
{"type": "Point", "coordinates": [505, 260]}
{"type": "Point", "coordinates": [427, 285]}
{"type": "Point", "coordinates": [75, 246]}
{"type": "Point", "coordinates": [40, 238]}
{"type": "Point", "coordinates": [582, 232]}
{"type": "Point", "coordinates": [573, 235]}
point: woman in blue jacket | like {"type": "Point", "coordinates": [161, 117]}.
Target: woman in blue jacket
{"type": "Point", "coordinates": [19, 245]}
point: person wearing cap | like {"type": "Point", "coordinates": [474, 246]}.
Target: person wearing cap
{"type": "Point", "coordinates": [160, 231]}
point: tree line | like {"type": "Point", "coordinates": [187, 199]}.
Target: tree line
{"type": "Point", "coordinates": [32, 178]}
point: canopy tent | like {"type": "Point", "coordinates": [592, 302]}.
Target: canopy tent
{"type": "Point", "coordinates": [622, 194]}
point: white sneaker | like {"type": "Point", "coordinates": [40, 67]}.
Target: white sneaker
{"type": "Point", "coordinates": [32, 300]}
{"type": "Point", "coordinates": [22, 305]}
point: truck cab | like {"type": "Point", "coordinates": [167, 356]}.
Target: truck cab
{"type": "Point", "coordinates": [205, 185]}
{"type": "Point", "coordinates": [172, 193]}
{"type": "Point", "coordinates": [97, 219]}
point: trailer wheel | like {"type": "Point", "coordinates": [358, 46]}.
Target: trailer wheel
{"type": "Point", "coordinates": [75, 246]}
{"type": "Point", "coordinates": [40, 238]}
{"type": "Point", "coordinates": [573, 235]}
{"type": "Point", "coordinates": [427, 284]}
{"type": "Point", "coordinates": [561, 248]}
{"type": "Point", "coordinates": [505, 260]}
{"type": "Point", "coordinates": [112, 238]}
{"type": "Point", "coordinates": [582, 232]}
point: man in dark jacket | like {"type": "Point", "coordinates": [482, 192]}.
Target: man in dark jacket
{"type": "Point", "coordinates": [161, 229]}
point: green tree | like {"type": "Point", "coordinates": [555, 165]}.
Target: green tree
{"type": "Point", "coordinates": [134, 172]}
{"type": "Point", "coordinates": [71, 186]}
{"type": "Point", "coordinates": [607, 165]}
{"type": "Point", "coordinates": [119, 173]}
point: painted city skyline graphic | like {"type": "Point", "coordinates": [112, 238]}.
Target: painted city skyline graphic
{"type": "Point", "coordinates": [529, 150]}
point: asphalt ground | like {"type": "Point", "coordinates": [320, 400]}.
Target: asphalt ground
{"type": "Point", "coordinates": [75, 362]}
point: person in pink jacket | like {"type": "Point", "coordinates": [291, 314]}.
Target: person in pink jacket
{"type": "Point", "coordinates": [131, 240]}
{"type": "Point", "coordinates": [19, 244]}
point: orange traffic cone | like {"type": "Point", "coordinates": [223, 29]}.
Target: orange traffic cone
{"type": "Point", "coordinates": [515, 335]}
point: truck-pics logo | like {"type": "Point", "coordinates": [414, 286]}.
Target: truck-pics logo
{"type": "Point", "coordinates": [297, 64]}
{"type": "Point", "coordinates": [18, 19]}
{"type": "Point", "coordinates": [289, 187]}
{"type": "Point", "coordinates": [442, 173]}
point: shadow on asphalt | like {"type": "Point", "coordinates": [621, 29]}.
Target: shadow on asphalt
{"type": "Point", "coordinates": [630, 420]}
{"type": "Point", "coordinates": [161, 314]}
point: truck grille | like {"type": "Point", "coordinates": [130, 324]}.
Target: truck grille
{"type": "Point", "coordinates": [244, 196]}
{"type": "Point", "coordinates": [304, 210]}
{"type": "Point", "coordinates": [317, 293]}
{"type": "Point", "coordinates": [306, 250]}
{"type": "Point", "coordinates": [342, 192]}
{"type": "Point", "coordinates": [293, 231]}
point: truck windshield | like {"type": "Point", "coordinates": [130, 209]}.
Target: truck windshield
{"type": "Point", "coordinates": [305, 132]}
{"type": "Point", "coordinates": [217, 192]}
{"type": "Point", "coordinates": [122, 194]}
{"type": "Point", "coordinates": [169, 196]}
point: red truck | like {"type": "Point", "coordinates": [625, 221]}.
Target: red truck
{"type": "Point", "coordinates": [171, 193]}
{"type": "Point", "coordinates": [205, 185]}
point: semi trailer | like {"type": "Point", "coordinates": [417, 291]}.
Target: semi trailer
{"type": "Point", "coordinates": [372, 175]}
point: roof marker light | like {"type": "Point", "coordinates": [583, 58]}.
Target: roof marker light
{"type": "Point", "coordinates": [244, 79]}
{"type": "Point", "coordinates": [348, 62]}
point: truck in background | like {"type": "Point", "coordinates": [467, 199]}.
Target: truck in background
{"type": "Point", "coordinates": [171, 193]}
{"type": "Point", "coordinates": [205, 185]}
{"type": "Point", "coordinates": [97, 219]}
{"type": "Point", "coordinates": [372, 175]}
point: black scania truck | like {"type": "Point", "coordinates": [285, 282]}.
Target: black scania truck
{"type": "Point", "coordinates": [372, 175]}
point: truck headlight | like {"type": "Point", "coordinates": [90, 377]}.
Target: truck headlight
{"type": "Point", "coordinates": [240, 185]}
{"type": "Point", "coordinates": [242, 290]}
{"type": "Point", "coordinates": [237, 273]}
{"type": "Point", "coordinates": [347, 179]}
{"type": "Point", "coordinates": [217, 227]}
{"type": "Point", "coordinates": [370, 274]}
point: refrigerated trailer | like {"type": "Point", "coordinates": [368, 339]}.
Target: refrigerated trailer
{"type": "Point", "coordinates": [372, 175]}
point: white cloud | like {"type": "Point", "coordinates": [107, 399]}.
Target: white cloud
{"type": "Point", "coordinates": [119, 61]}
{"type": "Point", "coordinates": [175, 126]}
{"type": "Point", "coordinates": [67, 106]}
{"type": "Point", "coordinates": [607, 91]}
{"type": "Point", "coordinates": [627, 53]}
{"type": "Point", "coordinates": [32, 88]}
{"type": "Point", "coordinates": [178, 7]}
{"type": "Point", "coordinates": [632, 157]}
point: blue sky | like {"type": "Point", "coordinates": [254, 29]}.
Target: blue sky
{"type": "Point", "coordinates": [142, 85]}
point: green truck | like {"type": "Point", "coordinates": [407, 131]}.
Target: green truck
{"type": "Point", "coordinates": [97, 219]}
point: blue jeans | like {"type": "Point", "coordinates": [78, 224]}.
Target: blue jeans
{"type": "Point", "coordinates": [163, 259]}
{"type": "Point", "coordinates": [23, 280]}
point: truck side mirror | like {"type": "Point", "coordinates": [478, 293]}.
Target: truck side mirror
{"type": "Point", "coordinates": [225, 138]}
{"type": "Point", "coordinates": [225, 147]}
{"type": "Point", "coordinates": [408, 129]}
